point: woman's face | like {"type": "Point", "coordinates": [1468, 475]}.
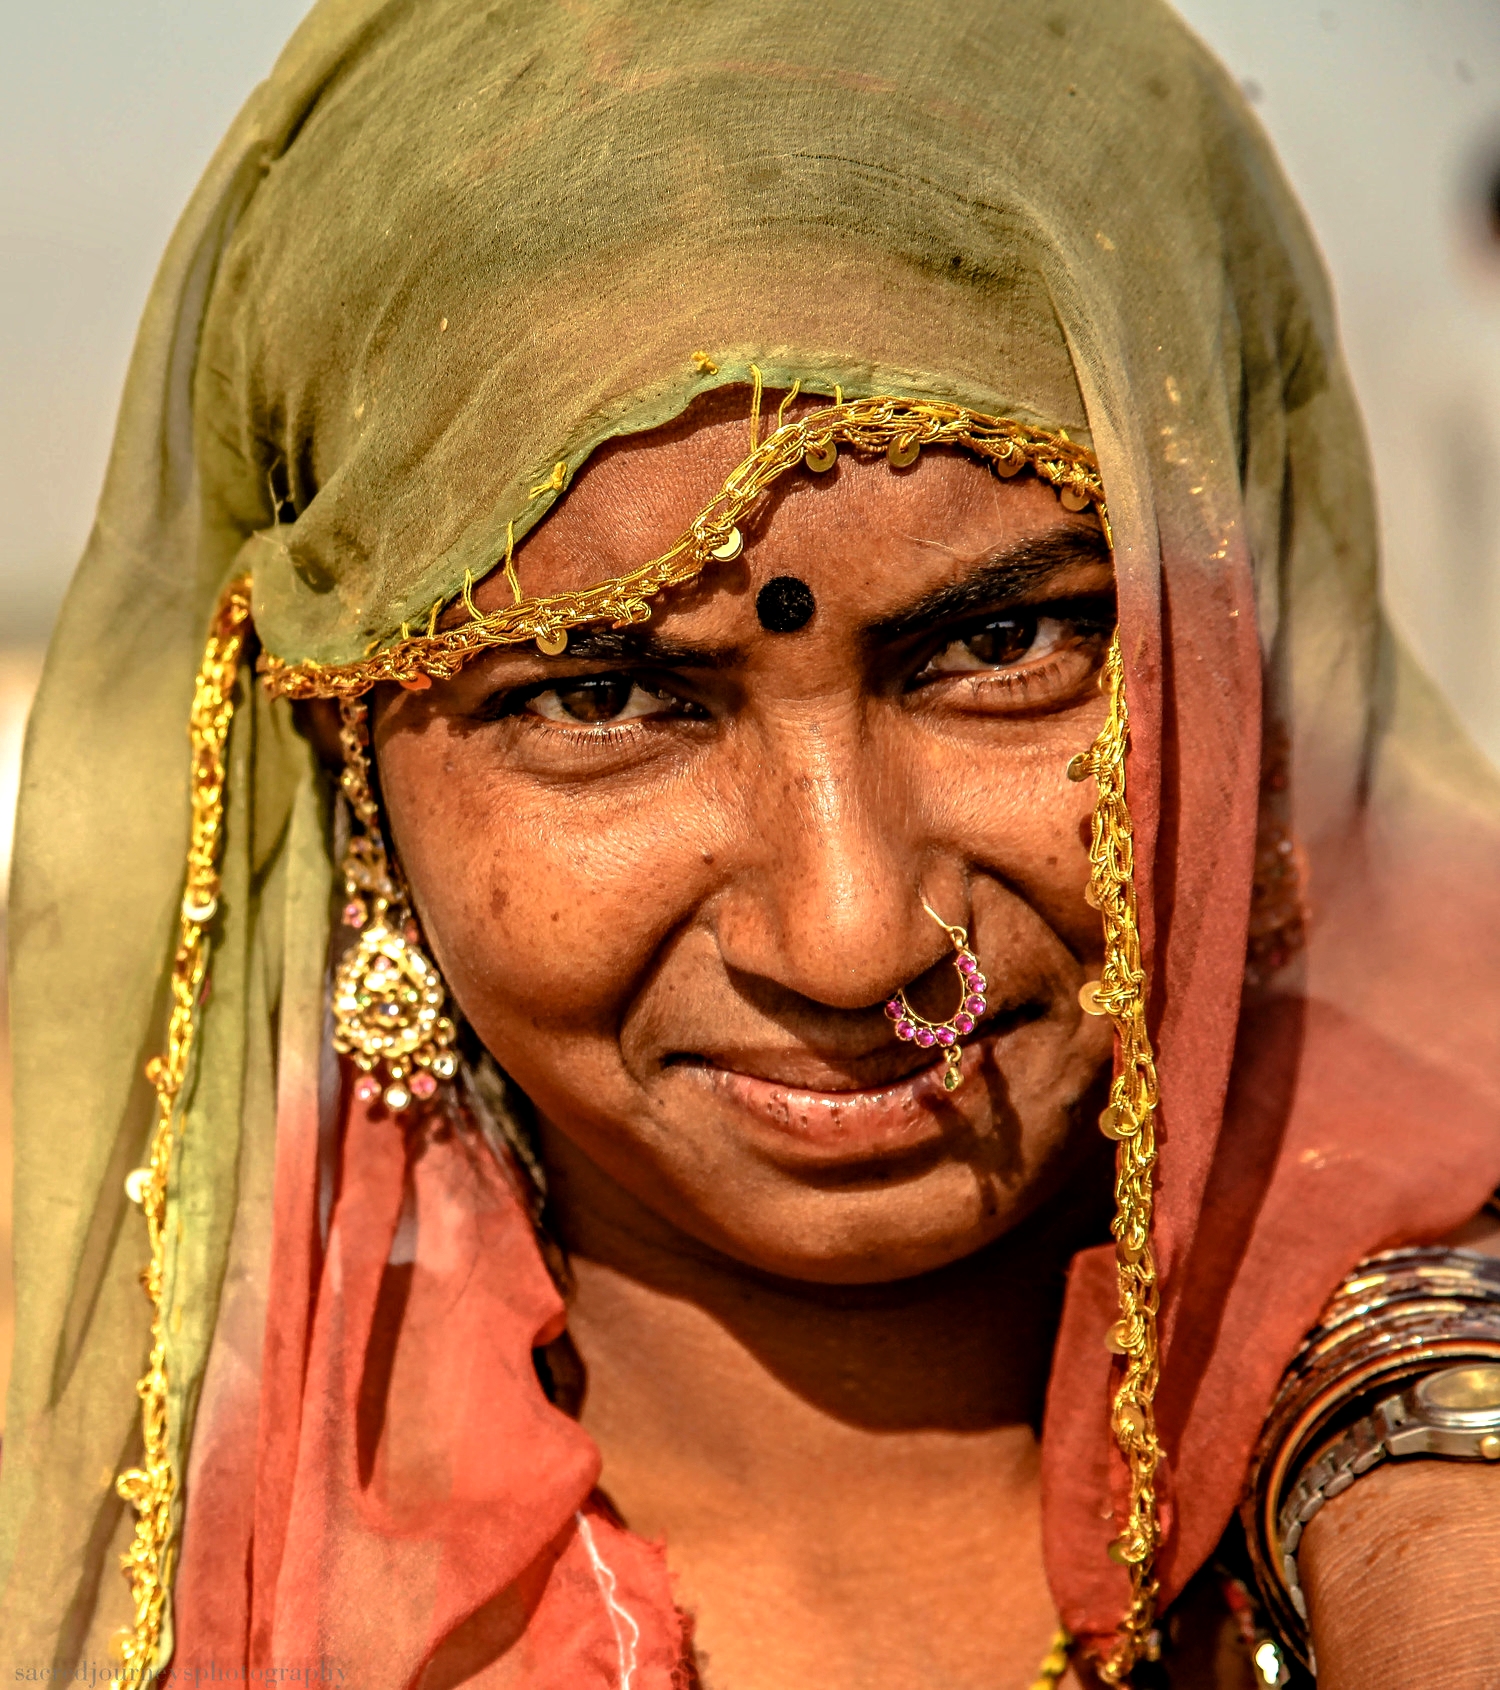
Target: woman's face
{"type": "Point", "coordinates": [673, 875]}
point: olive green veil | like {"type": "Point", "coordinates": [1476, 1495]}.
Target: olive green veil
{"type": "Point", "coordinates": [447, 246]}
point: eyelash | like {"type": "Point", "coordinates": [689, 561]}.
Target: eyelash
{"type": "Point", "coordinates": [511, 704]}
{"type": "Point", "coordinates": [1082, 621]}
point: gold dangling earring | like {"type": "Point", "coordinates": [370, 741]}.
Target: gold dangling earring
{"type": "Point", "coordinates": [388, 997]}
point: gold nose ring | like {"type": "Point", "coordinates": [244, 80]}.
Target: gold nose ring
{"type": "Point", "coordinates": [917, 1029]}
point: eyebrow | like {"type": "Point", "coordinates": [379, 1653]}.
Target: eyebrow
{"type": "Point", "coordinates": [644, 645]}
{"type": "Point", "coordinates": [1013, 573]}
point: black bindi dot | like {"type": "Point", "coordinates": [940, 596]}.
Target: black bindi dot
{"type": "Point", "coordinates": [784, 604]}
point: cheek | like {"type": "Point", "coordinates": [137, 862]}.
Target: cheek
{"type": "Point", "coordinates": [1011, 812]}
{"type": "Point", "coordinates": [545, 907]}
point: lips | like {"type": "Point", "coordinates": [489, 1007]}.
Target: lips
{"type": "Point", "coordinates": [798, 1127]}
{"type": "Point", "coordinates": [803, 1109]}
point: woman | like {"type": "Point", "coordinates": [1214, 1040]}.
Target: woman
{"type": "Point", "coordinates": [584, 1244]}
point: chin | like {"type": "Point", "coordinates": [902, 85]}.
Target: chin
{"type": "Point", "coordinates": [868, 1236]}
{"type": "Point", "coordinates": [849, 1187]}
{"type": "Point", "coordinates": [867, 1220]}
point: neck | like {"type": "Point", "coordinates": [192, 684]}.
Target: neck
{"type": "Point", "coordinates": [838, 1450]}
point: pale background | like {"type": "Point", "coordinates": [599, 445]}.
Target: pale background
{"type": "Point", "coordinates": [1386, 113]}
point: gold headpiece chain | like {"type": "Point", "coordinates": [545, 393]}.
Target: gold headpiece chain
{"type": "Point", "coordinates": [898, 427]}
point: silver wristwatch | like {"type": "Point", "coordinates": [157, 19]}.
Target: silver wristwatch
{"type": "Point", "coordinates": [1453, 1413]}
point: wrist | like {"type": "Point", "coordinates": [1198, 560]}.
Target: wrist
{"type": "Point", "coordinates": [1402, 1578]}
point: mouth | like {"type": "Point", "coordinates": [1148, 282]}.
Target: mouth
{"type": "Point", "coordinates": [806, 1113]}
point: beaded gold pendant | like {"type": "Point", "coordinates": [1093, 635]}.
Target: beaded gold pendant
{"type": "Point", "coordinates": [388, 1002]}
{"type": "Point", "coordinates": [388, 997]}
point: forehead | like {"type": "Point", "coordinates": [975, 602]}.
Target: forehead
{"type": "Point", "coordinates": [862, 531]}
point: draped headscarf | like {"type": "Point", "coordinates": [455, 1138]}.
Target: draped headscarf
{"type": "Point", "coordinates": [444, 248]}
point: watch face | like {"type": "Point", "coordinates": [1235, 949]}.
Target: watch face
{"type": "Point", "coordinates": [1465, 1397]}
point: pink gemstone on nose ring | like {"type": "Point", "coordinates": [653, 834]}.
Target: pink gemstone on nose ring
{"type": "Point", "coordinates": [945, 1035]}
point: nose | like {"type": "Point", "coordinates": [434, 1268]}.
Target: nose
{"type": "Point", "coordinates": [825, 895]}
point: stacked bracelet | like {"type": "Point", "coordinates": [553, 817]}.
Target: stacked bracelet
{"type": "Point", "coordinates": [1405, 1361]}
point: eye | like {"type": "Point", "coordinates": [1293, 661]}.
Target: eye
{"type": "Point", "coordinates": [598, 700]}
{"type": "Point", "coordinates": [1002, 642]}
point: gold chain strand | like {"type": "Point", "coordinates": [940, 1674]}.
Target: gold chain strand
{"type": "Point", "coordinates": [1130, 1119]}
{"type": "Point", "coordinates": [1054, 1662]}
{"type": "Point", "coordinates": [864, 425]}
{"type": "Point", "coordinates": [150, 1488]}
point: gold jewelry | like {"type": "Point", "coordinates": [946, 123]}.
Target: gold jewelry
{"type": "Point", "coordinates": [151, 1488]}
{"type": "Point", "coordinates": [388, 997]}
{"type": "Point", "coordinates": [1130, 1120]}
{"type": "Point", "coordinates": [901, 427]}
{"type": "Point", "coordinates": [971, 1005]}
{"type": "Point", "coordinates": [1054, 1662]}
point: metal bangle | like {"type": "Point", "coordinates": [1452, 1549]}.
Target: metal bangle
{"type": "Point", "coordinates": [1397, 1317]}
